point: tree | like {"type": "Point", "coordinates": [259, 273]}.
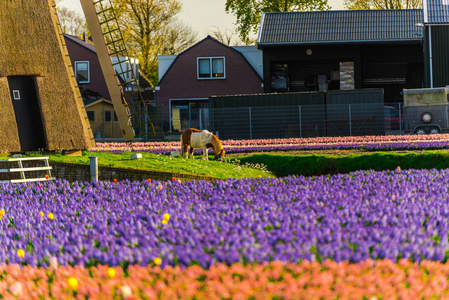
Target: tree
{"type": "Point", "coordinates": [150, 29]}
{"type": "Point", "coordinates": [383, 4]}
{"type": "Point", "coordinates": [249, 12]}
{"type": "Point", "coordinates": [169, 40]}
{"type": "Point", "coordinates": [177, 37]}
{"type": "Point", "coordinates": [227, 37]}
{"type": "Point", "coordinates": [71, 22]}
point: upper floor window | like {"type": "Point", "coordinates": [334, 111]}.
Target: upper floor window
{"type": "Point", "coordinates": [211, 67]}
{"type": "Point", "coordinates": [82, 71]}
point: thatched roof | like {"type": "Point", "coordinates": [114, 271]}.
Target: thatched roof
{"type": "Point", "coordinates": [32, 45]}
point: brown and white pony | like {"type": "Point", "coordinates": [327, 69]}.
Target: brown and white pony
{"type": "Point", "coordinates": [200, 139]}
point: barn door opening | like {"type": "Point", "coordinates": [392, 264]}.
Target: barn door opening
{"type": "Point", "coordinates": [27, 111]}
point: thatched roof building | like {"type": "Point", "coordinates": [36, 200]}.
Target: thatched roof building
{"type": "Point", "coordinates": [41, 104]}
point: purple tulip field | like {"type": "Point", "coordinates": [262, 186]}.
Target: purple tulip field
{"type": "Point", "coordinates": [349, 236]}
{"type": "Point", "coordinates": [350, 217]}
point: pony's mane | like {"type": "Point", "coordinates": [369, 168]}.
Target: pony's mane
{"type": "Point", "coordinates": [216, 143]}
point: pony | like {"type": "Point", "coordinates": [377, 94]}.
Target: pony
{"type": "Point", "coordinates": [200, 139]}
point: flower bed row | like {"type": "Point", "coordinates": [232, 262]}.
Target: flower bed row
{"type": "Point", "coordinates": [381, 279]}
{"type": "Point", "coordinates": [368, 143]}
{"type": "Point", "coordinates": [352, 217]}
{"type": "Point", "coordinates": [293, 141]}
{"type": "Point", "coordinates": [385, 146]}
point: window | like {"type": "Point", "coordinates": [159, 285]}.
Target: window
{"type": "Point", "coordinates": [107, 116]}
{"type": "Point", "coordinates": [211, 68]}
{"type": "Point", "coordinates": [82, 71]}
{"type": "Point", "coordinates": [91, 116]}
{"type": "Point", "coordinates": [115, 117]}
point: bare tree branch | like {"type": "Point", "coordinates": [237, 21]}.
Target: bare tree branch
{"type": "Point", "coordinates": [72, 22]}
{"type": "Point", "coordinates": [150, 28]}
{"type": "Point", "coordinates": [384, 4]}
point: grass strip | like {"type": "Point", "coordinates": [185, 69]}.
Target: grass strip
{"type": "Point", "coordinates": [166, 163]}
{"type": "Point", "coordinates": [318, 164]}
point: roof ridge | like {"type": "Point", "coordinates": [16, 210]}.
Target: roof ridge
{"type": "Point", "coordinates": [80, 42]}
{"type": "Point", "coordinates": [343, 10]}
{"type": "Point", "coordinates": [348, 26]}
{"type": "Point", "coordinates": [208, 37]}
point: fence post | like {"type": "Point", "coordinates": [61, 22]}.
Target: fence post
{"type": "Point", "coordinates": [104, 118]}
{"type": "Point", "coordinates": [190, 115]}
{"type": "Point", "coordinates": [350, 123]}
{"type": "Point", "coordinates": [250, 125]}
{"type": "Point", "coordinates": [400, 118]}
{"type": "Point", "coordinates": [145, 125]}
{"type": "Point", "coordinates": [200, 118]}
{"type": "Point", "coordinates": [447, 120]}
{"type": "Point", "coordinates": [93, 168]}
{"type": "Point", "coordinates": [300, 122]}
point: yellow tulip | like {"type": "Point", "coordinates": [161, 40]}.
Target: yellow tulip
{"type": "Point", "coordinates": [111, 272]}
{"type": "Point", "coordinates": [20, 253]}
{"type": "Point", "coordinates": [157, 261]}
{"type": "Point", "coordinates": [73, 283]}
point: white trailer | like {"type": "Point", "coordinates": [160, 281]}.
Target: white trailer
{"type": "Point", "coordinates": [426, 110]}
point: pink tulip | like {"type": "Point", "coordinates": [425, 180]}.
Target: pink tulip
{"type": "Point", "coordinates": [16, 289]}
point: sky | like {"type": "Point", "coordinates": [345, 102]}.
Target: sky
{"type": "Point", "coordinates": [201, 15]}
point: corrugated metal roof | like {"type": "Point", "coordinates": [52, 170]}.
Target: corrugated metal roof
{"type": "Point", "coordinates": [436, 11]}
{"type": "Point", "coordinates": [349, 26]}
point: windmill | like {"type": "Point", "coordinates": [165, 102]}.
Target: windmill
{"type": "Point", "coordinates": [42, 108]}
{"type": "Point", "coordinates": [112, 55]}
{"type": "Point", "coordinates": [41, 104]}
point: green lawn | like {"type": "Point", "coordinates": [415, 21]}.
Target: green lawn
{"type": "Point", "coordinates": [157, 162]}
{"type": "Point", "coordinates": [319, 164]}
{"type": "Point", "coordinates": [268, 164]}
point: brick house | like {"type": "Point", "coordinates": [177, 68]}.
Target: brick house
{"type": "Point", "coordinates": [187, 80]}
{"type": "Point", "coordinates": [88, 70]}
{"type": "Point", "coordinates": [94, 91]}
{"type": "Point", "coordinates": [86, 67]}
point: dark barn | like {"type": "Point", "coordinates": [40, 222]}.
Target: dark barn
{"type": "Point", "coordinates": [343, 50]}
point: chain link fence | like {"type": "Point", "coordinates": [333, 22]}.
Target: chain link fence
{"type": "Point", "coordinates": [322, 120]}
{"type": "Point", "coordinates": [155, 115]}
{"type": "Point", "coordinates": [297, 121]}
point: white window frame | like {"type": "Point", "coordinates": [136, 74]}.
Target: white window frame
{"type": "Point", "coordinates": [210, 68]}
{"type": "Point", "coordinates": [88, 71]}
{"type": "Point", "coordinates": [16, 94]}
